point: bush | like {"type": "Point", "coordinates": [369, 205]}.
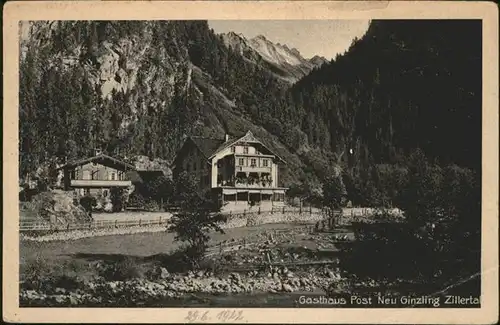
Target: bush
{"type": "Point", "coordinates": [136, 200]}
{"type": "Point", "coordinates": [34, 273]}
{"type": "Point", "coordinates": [37, 275]}
{"type": "Point", "coordinates": [118, 199]}
{"type": "Point", "coordinates": [439, 238]}
{"type": "Point", "coordinates": [151, 206]}
{"type": "Point", "coordinates": [88, 202]}
{"type": "Point", "coordinates": [126, 269]}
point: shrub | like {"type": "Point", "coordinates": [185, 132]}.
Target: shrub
{"type": "Point", "coordinates": [439, 237]}
{"type": "Point", "coordinates": [88, 202]}
{"type": "Point", "coordinates": [34, 273]}
{"type": "Point", "coordinates": [117, 199]}
{"type": "Point", "coordinates": [136, 200]}
{"type": "Point", "coordinates": [151, 206]}
{"type": "Point", "coordinates": [126, 269]}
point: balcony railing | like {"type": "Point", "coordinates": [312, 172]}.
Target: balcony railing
{"type": "Point", "coordinates": [246, 184]}
{"type": "Point", "coordinates": [252, 168]}
{"type": "Point", "coordinates": [99, 183]}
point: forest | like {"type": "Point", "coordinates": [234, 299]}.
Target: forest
{"type": "Point", "coordinates": [393, 92]}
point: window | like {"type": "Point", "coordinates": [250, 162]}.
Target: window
{"type": "Point", "coordinates": [113, 176]}
{"type": "Point", "coordinates": [253, 162]}
{"type": "Point", "coordinates": [265, 163]}
{"type": "Point", "coordinates": [241, 161]}
{"type": "Point", "coordinates": [245, 150]}
{"type": "Point", "coordinates": [77, 174]}
{"type": "Point", "coordinates": [233, 149]}
{"type": "Point", "coordinates": [94, 175]}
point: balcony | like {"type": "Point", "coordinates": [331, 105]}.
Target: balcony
{"type": "Point", "coordinates": [99, 183]}
{"type": "Point", "coordinates": [252, 169]}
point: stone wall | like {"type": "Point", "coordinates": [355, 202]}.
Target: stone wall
{"type": "Point", "coordinates": [267, 217]}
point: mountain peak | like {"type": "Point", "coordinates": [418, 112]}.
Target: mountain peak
{"type": "Point", "coordinates": [318, 60]}
{"type": "Point", "coordinates": [291, 64]}
{"type": "Point", "coordinates": [234, 34]}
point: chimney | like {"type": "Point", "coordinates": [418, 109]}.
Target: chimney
{"type": "Point", "coordinates": [227, 137]}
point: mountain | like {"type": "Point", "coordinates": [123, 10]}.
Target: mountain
{"type": "Point", "coordinates": [396, 90]}
{"type": "Point", "coordinates": [136, 88]}
{"type": "Point", "coordinates": [140, 87]}
{"type": "Point", "coordinates": [318, 61]}
{"type": "Point", "coordinates": [285, 63]}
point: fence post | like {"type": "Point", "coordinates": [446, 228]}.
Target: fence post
{"type": "Point", "coordinates": [116, 223]}
{"type": "Point", "coordinates": [244, 212]}
{"type": "Point", "coordinates": [159, 221]}
{"type": "Point", "coordinates": [220, 248]}
{"type": "Point", "coordinates": [140, 220]}
{"type": "Point", "coordinates": [244, 243]}
{"type": "Point", "coordinates": [259, 210]}
{"type": "Point", "coordinates": [310, 210]}
{"type": "Point", "coordinates": [283, 210]}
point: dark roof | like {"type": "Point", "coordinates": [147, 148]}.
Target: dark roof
{"type": "Point", "coordinates": [142, 175]}
{"type": "Point", "coordinates": [101, 158]}
{"type": "Point", "coordinates": [207, 145]}
{"type": "Point", "coordinates": [224, 145]}
{"type": "Point", "coordinates": [210, 146]}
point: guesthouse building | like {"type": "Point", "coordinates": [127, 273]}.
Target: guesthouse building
{"type": "Point", "coordinates": [242, 173]}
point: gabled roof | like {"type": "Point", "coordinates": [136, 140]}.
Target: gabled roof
{"type": "Point", "coordinates": [142, 175]}
{"type": "Point", "coordinates": [99, 158]}
{"type": "Point", "coordinates": [207, 145]}
{"type": "Point", "coordinates": [248, 137]}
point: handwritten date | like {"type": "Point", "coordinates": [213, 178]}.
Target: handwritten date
{"type": "Point", "coordinates": [221, 316]}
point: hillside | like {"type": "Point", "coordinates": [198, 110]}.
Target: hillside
{"type": "Point", "coordinates": [136, 88]}
{"type": "Point", "coordinates": [139, 88]}
{"type": "Point", "coordinates": [404, 85]}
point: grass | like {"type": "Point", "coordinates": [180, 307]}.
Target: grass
{"type": "Point", "coordinates": [109, 248]}
{"type": "Point", "coordinates": [45, 266]}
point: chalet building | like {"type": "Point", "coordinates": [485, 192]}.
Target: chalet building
{"type": "Point", "coordinates": [96, 175]}
{"type": "Point", "coordinates": [241, 172]}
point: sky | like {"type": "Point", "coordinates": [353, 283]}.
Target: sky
{"type": "Point", "coordinates": [310, 37]}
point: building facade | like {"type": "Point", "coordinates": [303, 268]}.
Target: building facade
{"type": "Point", "coordinates": [242, 173]}
{"type": "Point", "coordinates": [96, 175]}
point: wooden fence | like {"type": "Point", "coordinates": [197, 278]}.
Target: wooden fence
{"type": "Point", "coordinates": [96, 224]}
{"type": "Point", "coordinates": [102, 224]}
